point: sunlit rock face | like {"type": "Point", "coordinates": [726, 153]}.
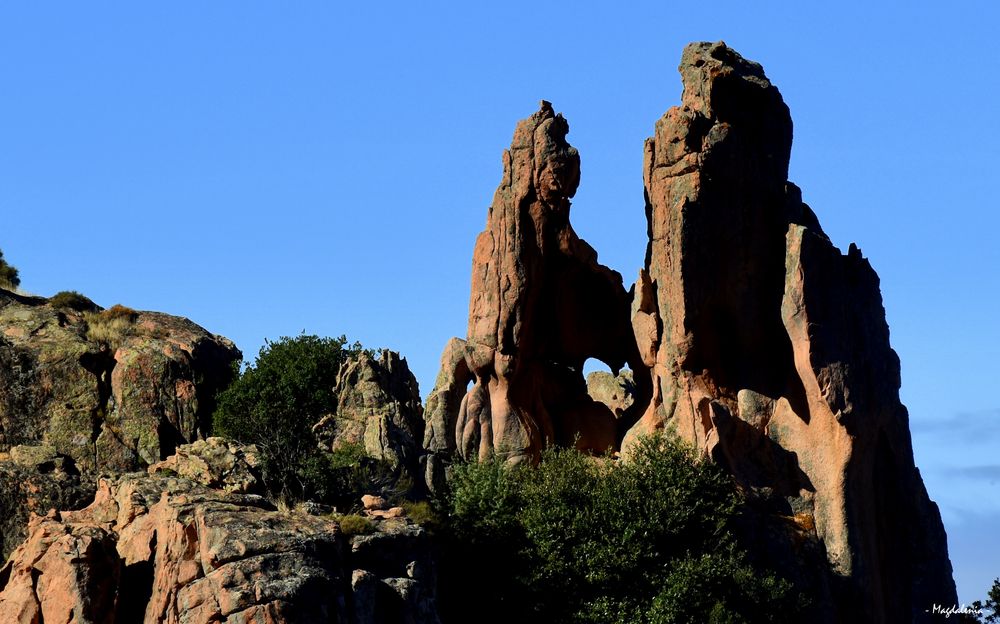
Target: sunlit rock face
{"type": "Point", "coordinates": [541, 305]}
{"type": "Point", "coordinates": [749, 334]}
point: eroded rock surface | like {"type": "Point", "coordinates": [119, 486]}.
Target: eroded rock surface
{"type": "Point", "coordinates": [378, 408]}
{"type": "Point", "coordinates": [541, 305]}
{"type": "Point", "coordinates": [166, 549]}
{"type": "Point", "coordinates": [113, 391]}
{"type": "Point", "coordinates": [772, 353]}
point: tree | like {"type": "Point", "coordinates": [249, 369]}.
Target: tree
{"type": "Point", "coordinates": [989, 611]}
{"type": "Point", "coordinates": [8, 275]}
{"type": "Point", "coordinates": [274, 404]}
{"type": "Point", "coordinates": [584, 540]}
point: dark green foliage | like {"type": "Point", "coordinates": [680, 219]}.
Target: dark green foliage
{"type": "Point", "coordinates": [989, 611]}
{"type": "Point", "coordinates": [8, 275]}
{"type": "Point", "coordinates": [648, 541]}
{"type": "Point", "coordinates": [72, 300]}
{"type": "Point", "coordinates": [275, 403]}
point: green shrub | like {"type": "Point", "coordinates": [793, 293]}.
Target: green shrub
{"type": "Point", "coordinates": [421, 513]}
{"type": "Point", "coordinates": [354, 524]}
{"type": "Point", "coordinates": [72, 300]}
{"type": "Point", "coordinates": [9, 277]}
{"type": "Point", "coordinates": [274, 404]}
{"type": "Point", "coordinates": [579, 539]}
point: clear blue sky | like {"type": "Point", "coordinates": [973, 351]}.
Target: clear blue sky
{"type": "Point", "coordinates": [267, 168]}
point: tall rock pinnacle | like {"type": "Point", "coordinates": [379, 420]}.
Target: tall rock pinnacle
{"type": "Point", "coordinates": [749, 335]}
{"type": "Point", "coordinates": [541, 305]}
{"type": "Point", "coordinates": [772, 353]}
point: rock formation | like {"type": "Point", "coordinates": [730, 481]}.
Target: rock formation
{"type": "Point", "coordinates": [378, 407]}
{"type": "Point", "coordinates": [541, 305]}
{"type": "Point", "coordinates": [772, 351]}
{"type": "Point", "coordinates": [162, 548]}
{"type": "Point", "coordinates": [749, 334]}
{"type": "Point", "coordinates": [615, 391]}
{"type": "Point", "coordinates": [34, 479]}
{"type": "Point", "coordinates": [112, 390]}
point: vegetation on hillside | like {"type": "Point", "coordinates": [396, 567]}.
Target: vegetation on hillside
{"type": "Point", "coordinates": [274, 404]}
{"type": "Point", "coordinates": [585, 540]}
{"type": "Point", "coordinates": [73, 300]}
{"type": "Point", "coordinates": [9, 277]}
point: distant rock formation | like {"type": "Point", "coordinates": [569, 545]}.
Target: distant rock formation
{"type": "Point", "coordinates": [163, 548]}
{"type": "Point", "coordinates": [749, 334]}
{"type": "Point", "coordinates": [112, 390]}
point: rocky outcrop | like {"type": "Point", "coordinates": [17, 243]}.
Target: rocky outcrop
{"type": "Point", "coordinates": [112, 390]}
{"type": "Point", "coordinates": [541, 305]}
{"type": "Point", "coordinates": [217, 463]}
{"type": "Point", "coordinates": [33, 480]}
{"type": "Point", "coordinates": [749, 334]}
{"type": "Point", "coordinates": [378, 408]}
{"type": "Point", "coordinates": [772, 352]}
{"type": "Point", "coordinates": [166, 549]}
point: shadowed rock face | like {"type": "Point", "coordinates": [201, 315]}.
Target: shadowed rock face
{"type": "Point", "coordinates": [749, 333]}
{"type": "Point", "coordinates": [540, 306]}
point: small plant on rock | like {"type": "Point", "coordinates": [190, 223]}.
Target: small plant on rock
{"type": "Point", "coordinates": [9, 277]}
{"type": "Point", "coordinates": [73, 300]}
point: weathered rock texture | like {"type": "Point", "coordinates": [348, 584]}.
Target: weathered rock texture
{"type": "Point", "coordinates": [750, 335]}
{"type": "Point", "coordinates": [772, 351]}
{"type": "Point", "coordinates": [378, 407]}
{"type": "Point", "coordinates": [541, 305]}
{"type": "Point", "coordinates": [115, 390]}
{"type": "Point", "coordinates": [217, 463]}
{"type": "Point", "coordinates": [34, 480]}
{"type": "Point", "coordinates": [164, 549]}
{"type": "Point", "coordinates": [615, 391]}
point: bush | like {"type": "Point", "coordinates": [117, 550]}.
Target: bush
{"type": "Point", "coordinates": [353, 524]}
{"type": "Point", "coordinates": [274, 404]}
{"type": "Point", "coordinates": [580, 539]}
{"type": "Point", "coordinates": [421, 513]}
{"type": "Point", "coordinates": [9, 277]}
{"type": "Point", "coordinates": [111, 326]}
{"type": "Point", "coordinates": [73, 300]}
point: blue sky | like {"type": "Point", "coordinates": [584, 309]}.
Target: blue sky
{"type": "Point", "coordinates": [266, 169]}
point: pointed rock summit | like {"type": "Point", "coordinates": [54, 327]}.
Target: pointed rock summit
{"type": "Point", "coordinates": [749, 334]}
{"type": "Point", "coordinates": [541, 305]}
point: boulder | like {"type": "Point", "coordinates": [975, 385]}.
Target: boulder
{"type": "Point", "coordinates": [615, 391]}
{"type": "Point", "coordinates": [217, 463]}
